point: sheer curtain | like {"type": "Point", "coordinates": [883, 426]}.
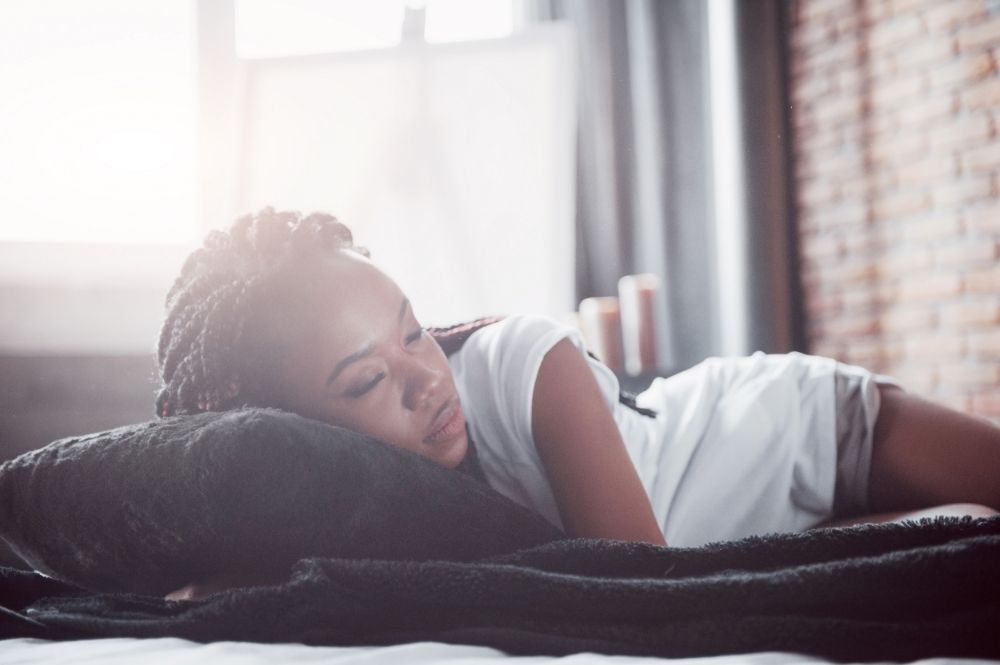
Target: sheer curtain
{"type": "Point", "coordinates": [452, 163]}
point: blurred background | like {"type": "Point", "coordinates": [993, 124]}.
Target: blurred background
{"type": "Point", "coordinates": [819, 175]}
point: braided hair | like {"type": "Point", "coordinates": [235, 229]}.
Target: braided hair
{"type": "Point", "coordinates": [202, 352]}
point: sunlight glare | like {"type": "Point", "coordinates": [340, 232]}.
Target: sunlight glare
{"type": "Point", "coordinates": [98, 106]}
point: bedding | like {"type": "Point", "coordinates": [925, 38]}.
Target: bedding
{"type": "Point", "coordinates": [171, 651]}
{"type": "Point", "coordinates": [149, 508]}
{"type": "Point", "coordinates": [387, 557]}
{"type": "Point", "coordinates": [873, 592]}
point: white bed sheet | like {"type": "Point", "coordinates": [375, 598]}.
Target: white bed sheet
{"type": "Point", "coordinates": [173, 651]}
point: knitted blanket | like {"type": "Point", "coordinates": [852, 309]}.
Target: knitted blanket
{"type": "Point", "coordinates": [873, 592]}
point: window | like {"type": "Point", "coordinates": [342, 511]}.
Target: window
{"type": "Point", "coordinates": [449, 151]}
{"type": "Point", "coordinates": [97, 105]}
{"type": "Point", "coordinates": [278, 28]}
{"type": "Point", "coordinates": [452, 162]}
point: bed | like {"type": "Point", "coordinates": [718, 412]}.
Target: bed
{"type": "Point", "coordinates": [113, 651]}
{"type": "Point", "coordinates": [378, 553]}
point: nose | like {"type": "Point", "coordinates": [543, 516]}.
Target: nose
{"type": "Point", "coordinates": [423, 383]}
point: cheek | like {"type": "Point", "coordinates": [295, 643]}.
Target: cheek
{"type": "Point", "coordinates": [380, 415]}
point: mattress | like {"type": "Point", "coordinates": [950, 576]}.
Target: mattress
{"type": "Point", "coordinates": [174, 651]}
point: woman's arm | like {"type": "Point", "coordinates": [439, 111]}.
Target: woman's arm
{"type": "Point", "coordinates": [597, 489]}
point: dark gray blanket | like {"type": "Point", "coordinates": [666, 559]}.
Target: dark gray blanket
{"type": "Point", "coordinates": [894, 591]}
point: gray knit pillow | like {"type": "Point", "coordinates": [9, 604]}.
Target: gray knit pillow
{"type": "Point", "coordinates": [151, 507]}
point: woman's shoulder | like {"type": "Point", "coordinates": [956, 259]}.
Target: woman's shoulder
{"type": "Point", "coordinates": [510, 346]}
{"type": "Point", "coordinates": [520, 335]}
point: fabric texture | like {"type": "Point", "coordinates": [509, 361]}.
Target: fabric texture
{"type": "Point", "coordinates": [739, 446]}
{"type": "Point", "coordinates": [152, 507]}
{"type": "Point", "coordinates": [858, 402]}
{"type": "Point", "coordinates": [873, 592]}
{"type": "Point", "coordinates": [495, 372]}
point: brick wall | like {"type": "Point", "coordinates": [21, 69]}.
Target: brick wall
{"type": "Point", "coordinates": [896, 116]}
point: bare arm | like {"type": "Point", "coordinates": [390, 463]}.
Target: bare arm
{"type": "Point", "coordinates": [597, 489]}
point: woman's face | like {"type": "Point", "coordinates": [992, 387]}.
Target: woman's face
{"type": "Point", "coordinates": [362, 361]}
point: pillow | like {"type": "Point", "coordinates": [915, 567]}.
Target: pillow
{"type": "Point", "coordinates": [151, 507]}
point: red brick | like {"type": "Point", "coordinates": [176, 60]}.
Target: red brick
{"type": "Point", "coordinates": [901, 87]}
{"type": "Point", "coordinates": [941, 225]}
{"type": "Point", "coordinates": [929, 287]}
{"type": "Point", "coordinates": [926, 52]}
{"type": "Point", "coordinates": [983, 95]}
{"type": "Point", "coordinates": [852, 325]}
{"type": "Point", "coordinates": [876, 124]}
{"type": "Point", "coordinates": [803, 120]}
{"type": "Point", "coordinates": [837, 108]}
{"type": "Point", "coordinates": [817, 191]}
{"type": "Point", "coordinates": [866, 352]}
{"type": "Point", "coordinates": [880, 67]}
{"type": "Point", "coordinates": [961, 71]}
{"type": "Point", "coordinates": [899, 204]}
{"type": "Point", "coordinates": [970, 374]}
{"type": "Point", "coordinates": [983, 219]}
{"type": "Point", "coordinates": [903, 144]}
{"type": "Point", "coordinates": [811, 34]}
{"type": "Point", "coordinates": [957, 401]}
{"type": "Point", "coordinates": [980, 35]}
{"type": "Point", "coordinates": [855, 187]}
{"type": "Point", "coordinates": [929, 108]}
{"type": "Point", "coordinates": [848, 25]}
{"type": "Point", "coordinates": [960, 131]}
{"type": "Point", "coordinates": [984, 344]}
{"type": "Point", "coordinates": [927, 170]}
{"type": "Point", "coordinates": [983, 159]}
{"type": "Point", "coordinates": [904, 260]}
{"type": "Point", "coordinates": [842, 52]}
{"type": "Point", "coordinates": [944, 15]}
{"type": "Point", "coordinates": [827, 347]}
{"type": "Point", "coordinates": [968, 253]}
{"type": "Point", "coordinates": [844, 272]}
{"type": "Point", "coordinates": [888, 292]}
{"type": "Point", "coordinates": [827, 164]}
{"type": "Point", "coordinates": [842, 215]}
{"type": "Point", "coordinates": [812, 88]}
{"type": "Point", "coordinates": [890, 234]}
{"type": "Point", "coordinates": [822, 304]}
{"type": "Point", "coordinates": [855, 299]}
{"type": "Point", "coordinates": [979, 312]}
{"type": "Point", "coordinates": [825, 139]}
{"type": "Point", "coordinates": [918, 378]}
{"type": "Point", "coordinates": [933, 346]}
{"type": "Point", "coordinates": [823, 247]}
{"type": "Point", "coordinates": [882, 179]}
{"type": "Point", "coordinates": [886, 34]}
{"type": "Point", "coordinates": [983, 281]}
{"type": "Point", "coordinates": [987, 405]}
{"type": "Point", "coordinates": [964, 190]}
{"type": "Point", "coordinates": [907, 318]}
{"type": "Point", "coordinates": [811, 10]}
{"type": "Point", "coordinates": [904, 6]}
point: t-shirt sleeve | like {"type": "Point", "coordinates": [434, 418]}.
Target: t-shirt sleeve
{"type": "Point", "coordinates": [510, 354]}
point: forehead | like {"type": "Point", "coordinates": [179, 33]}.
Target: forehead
{"type": "Point", "coordinates": [354, 301]}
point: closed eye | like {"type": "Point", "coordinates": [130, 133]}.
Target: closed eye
{"type": "Point", "coordinates": [414, 336]}
{"type": "Point", "coordinates": [358, 392]}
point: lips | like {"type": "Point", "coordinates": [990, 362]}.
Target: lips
{"type": "Point", "coordinates": [448, 422]}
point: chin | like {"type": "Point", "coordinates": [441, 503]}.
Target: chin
{"type": "Point", "coordinates": [456, 452]}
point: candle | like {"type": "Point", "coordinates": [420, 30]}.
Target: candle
{"type": "Point", "coordinates": [600, 322]}
{"type": "Point", "coordinates": [637, 295]}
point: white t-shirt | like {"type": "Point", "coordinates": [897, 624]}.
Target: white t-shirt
{"type": "Point", "coordinates": [739, 446]}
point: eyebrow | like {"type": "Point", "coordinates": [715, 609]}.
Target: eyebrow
{"type": "Point", "coordinates": [364, 351]}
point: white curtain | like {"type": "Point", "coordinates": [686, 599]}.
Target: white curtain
{"type": "Point", "coordinates": [452, 163]}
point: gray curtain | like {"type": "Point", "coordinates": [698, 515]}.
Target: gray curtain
{"type": "Point", "coordinates": [645, 198]}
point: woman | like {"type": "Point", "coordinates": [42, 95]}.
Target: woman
{"type": "Point", "coordinates": [285, 311]}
